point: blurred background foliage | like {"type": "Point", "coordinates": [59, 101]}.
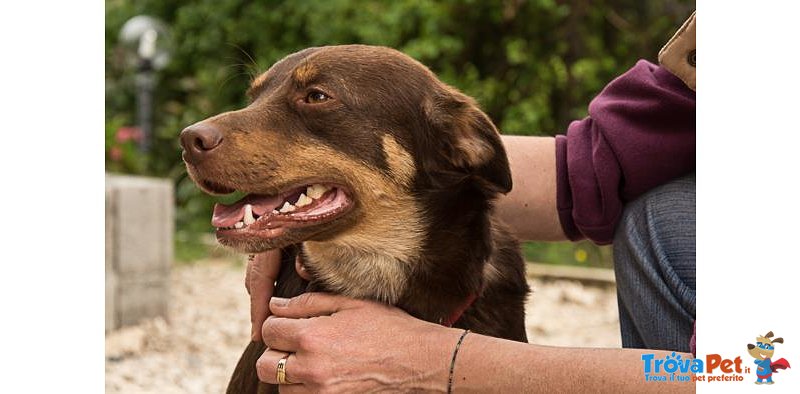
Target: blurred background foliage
{"type": "Point", "coordinates": [532, 65]}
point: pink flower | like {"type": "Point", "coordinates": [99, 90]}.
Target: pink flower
{"type": "Point", "coordinates": [116, 153]}
{"type": "Point", "coordinates": [129, 133]}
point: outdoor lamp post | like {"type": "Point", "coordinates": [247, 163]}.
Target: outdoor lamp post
{"type": "Point", "coordinates": [147, 38]}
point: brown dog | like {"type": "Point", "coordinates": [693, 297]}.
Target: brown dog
{"type": "Point", "coordinates": [380, 176]}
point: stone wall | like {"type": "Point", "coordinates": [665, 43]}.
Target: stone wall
{"type": "Point", "coordinates": [139, 248]}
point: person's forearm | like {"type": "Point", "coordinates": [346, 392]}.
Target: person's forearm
{"type": "Point", "coordinates": [487, 364]}
{"type": "Point", "coordinates": [346, 345]}
{"type": "Point", "coordinates": [530, 208]}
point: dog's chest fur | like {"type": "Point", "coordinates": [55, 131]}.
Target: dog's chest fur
{"type": "Point", "coordinates": [498, 311]}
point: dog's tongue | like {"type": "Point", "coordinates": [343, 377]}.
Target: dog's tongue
{"type": "Point", "coordinates": [228, 215]}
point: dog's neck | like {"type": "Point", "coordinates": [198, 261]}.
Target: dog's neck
{"type": "Point", "coordinates": [456, 249]}
{"type": "Point", "coordinates": [428, 276]}
{"type": "Point", "coordinates": [356, 272]}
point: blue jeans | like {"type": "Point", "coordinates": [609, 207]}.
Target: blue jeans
{"type": "Point", "coordinates": [654, 261]}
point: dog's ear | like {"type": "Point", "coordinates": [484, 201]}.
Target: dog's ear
{"type": "Point", "coordinates": [777, 340]}
{"type": "Point", "coordinates": [467, 139]}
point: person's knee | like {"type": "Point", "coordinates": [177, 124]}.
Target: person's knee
{"type": "Point", "coordinates": [662, 221]}
{"type": "Point", "coordinates": [654, 260]}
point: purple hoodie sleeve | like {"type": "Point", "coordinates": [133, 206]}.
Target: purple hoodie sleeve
{"type": "Point", "coordinates": [640, 133]}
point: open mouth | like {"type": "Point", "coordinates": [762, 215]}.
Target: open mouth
{"type": "Point", "coordinates": [268, 217]}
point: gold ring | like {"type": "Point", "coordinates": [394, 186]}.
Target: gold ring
{"type": "Point", "coordinates": [281, 378]}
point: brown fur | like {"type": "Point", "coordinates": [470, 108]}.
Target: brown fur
{"type": "Point", "coordinates": [422, 163]}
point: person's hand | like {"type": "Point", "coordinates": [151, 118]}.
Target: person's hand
{"type": "Point", "coordinates": [338, 344]}
{"type": "Point", "coordinates": [259, 280]}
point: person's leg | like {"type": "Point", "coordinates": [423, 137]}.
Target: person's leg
{"type": "Point", "coordinates": [654, 261]}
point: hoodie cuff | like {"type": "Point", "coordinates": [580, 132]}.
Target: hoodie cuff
{"type": "Point", "coordinates": [563, 192]}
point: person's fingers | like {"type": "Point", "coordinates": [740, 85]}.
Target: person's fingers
{"type": "Point", "coordinates": [295, 389]}
{"type": "Point", "coordinates": [300, 268]}
{"type": "Point", "coordinates": [262, 270]}
{"type": "Point", "coordinates": [282, 333]}
{"type": "Point", "coordinates": [267, 367]}
{"type": "Point", "coordinates": [247, 273]}
{"type": "Point", "coordinates": [310, 305]}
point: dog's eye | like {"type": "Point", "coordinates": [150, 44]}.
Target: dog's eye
{"type": "Point", "coordinates": [317, 97]}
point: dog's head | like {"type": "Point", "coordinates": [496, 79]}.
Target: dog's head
{"type": "Point", "coordinates": [341, 143]}
{"type": "Point", "coordinates": [764, 347]}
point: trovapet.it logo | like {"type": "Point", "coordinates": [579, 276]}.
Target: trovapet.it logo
{"type": "Point", "coordinates": [714, 367]}
{"type": "Point", "coordinates": [676, 368]}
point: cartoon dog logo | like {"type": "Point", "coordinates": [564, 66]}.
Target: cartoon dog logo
{"type": "Point", "coordinates": [762, 351]}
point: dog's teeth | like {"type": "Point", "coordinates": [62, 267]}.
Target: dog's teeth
{"type": "Point", "coordinates": [316, 191]}
{"type": "Point", "coordinates": [287, 207]}
{"type": "Point", "coordinates": [303, 201]}
{"type": "Point", "coordinates": [311, 190]}
{"type": "Point", "coordinates": [239, 225]}
{"type": "Point", "coordinates": [275, 211]}
{"type": "Point", "coordinates": [248, 215]}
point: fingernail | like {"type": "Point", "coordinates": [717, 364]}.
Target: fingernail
{"type": "Point", "coordinates": [278, 301]}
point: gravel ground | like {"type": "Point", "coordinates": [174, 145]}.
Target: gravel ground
{"type": "Point", "coordinates": [196, 350]}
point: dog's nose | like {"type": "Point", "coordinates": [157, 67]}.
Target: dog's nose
{"type": "Point", "coordinates": [200, 139]}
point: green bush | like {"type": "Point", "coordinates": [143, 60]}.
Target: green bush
{"type": "Point", "coordinates": [532, 65]}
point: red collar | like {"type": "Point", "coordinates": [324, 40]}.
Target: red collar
{"type": "Point", "coordinates": [458, 312]}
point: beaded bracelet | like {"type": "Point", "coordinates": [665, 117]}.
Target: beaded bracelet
{"type": "Point", "coordinates": [453, 362]}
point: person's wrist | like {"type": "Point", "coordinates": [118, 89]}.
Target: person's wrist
{"type": "Point", "coordinates": [431, 359]}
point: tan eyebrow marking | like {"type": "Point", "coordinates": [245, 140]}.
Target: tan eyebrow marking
{"type": "Point", "coordinates": [304, 73]}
